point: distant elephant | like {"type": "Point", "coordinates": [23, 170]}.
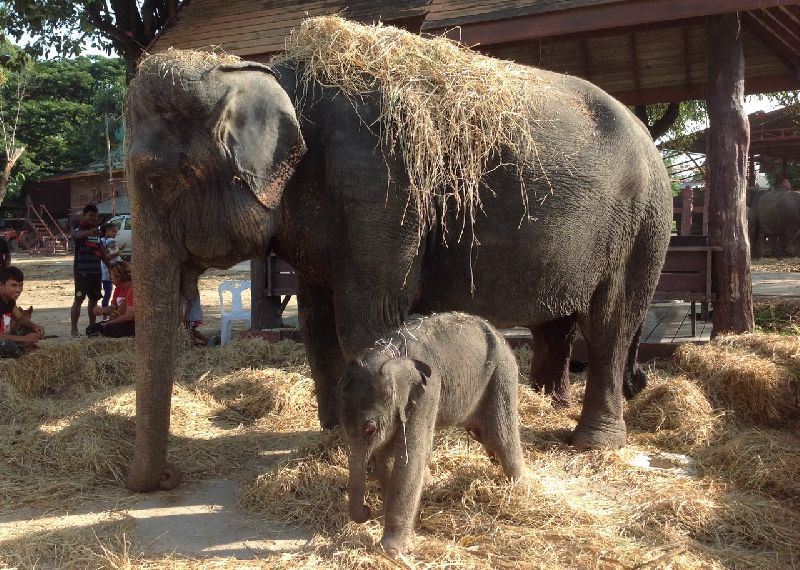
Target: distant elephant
{"type": "Point", "coordinates": [445, 370]}
{"type": "Point", "coordinates": [222, 167]}
{"type": "Point", "coordinates": [774, 214]}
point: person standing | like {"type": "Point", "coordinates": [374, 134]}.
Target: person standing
{"type": "Point", "coordinates": [89, 257]}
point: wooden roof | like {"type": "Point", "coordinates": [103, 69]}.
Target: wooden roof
{"type": "Point", "coordinates": [256, 30]}
{"type": "Point", "coordinates": [641, 51]}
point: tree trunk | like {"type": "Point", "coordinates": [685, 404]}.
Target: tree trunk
{"type": "Point", "coordinates": [5, 177]}
{"type": "Point", "coordinates": [728, 144]}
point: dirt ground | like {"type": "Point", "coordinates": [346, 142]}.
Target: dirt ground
{"type": "Point", "coordinates": [49, 289]}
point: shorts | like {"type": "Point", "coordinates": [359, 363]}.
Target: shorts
{"type": "Point", "coordinates": [88, 285]}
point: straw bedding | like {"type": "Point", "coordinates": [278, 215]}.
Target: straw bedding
{"type": "Point", "coordinates": [66, 438]}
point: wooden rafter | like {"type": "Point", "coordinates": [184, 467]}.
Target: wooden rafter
{"type": "Point", "coordinates": [775, 35]}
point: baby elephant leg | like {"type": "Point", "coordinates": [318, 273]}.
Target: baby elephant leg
{"type": "Point", "coordinates": [403, 490]}
{"type": "Point", "coordinates": [498, 419]}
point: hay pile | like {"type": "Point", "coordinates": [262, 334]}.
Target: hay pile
{"type": "Point", "coordinates": [246, 412]}
{"type": "Point", "coordinates": [447, 110]}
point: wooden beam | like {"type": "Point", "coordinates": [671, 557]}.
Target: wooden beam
{"type": "Point", "coordinates": [766, 84]}
{"type": "Point", "coordinates": [785, 45]}
{"type": "Point", "coordinates": [603, 16]}
{"type": "Point", "coordinates": [728, 142]}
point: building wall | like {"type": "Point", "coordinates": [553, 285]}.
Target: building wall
{"type": "Point", "coordinates": [91, 190]}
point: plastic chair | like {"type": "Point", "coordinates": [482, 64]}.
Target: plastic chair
{"type": "Point", "coordinates": [237, 312]}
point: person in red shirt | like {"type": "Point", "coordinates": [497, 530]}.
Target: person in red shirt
{"type": "Point", "coordinates": [121, 310]}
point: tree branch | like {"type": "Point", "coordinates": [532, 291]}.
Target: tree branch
{"type": "Point", "coordinates": [666, 121]}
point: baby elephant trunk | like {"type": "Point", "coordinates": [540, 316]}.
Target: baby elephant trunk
{"type": "Point", "coordinates": [359, 511]}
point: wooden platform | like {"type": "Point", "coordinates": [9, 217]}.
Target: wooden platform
{"type": "Point", "coordinates": [666, 326]}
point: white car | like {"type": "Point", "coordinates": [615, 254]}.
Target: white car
{"type": "Point", "coordinates": [125, 235]}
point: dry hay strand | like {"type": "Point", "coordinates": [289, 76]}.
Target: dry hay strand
{"type": "Point", "coordinates": [766, 461]}
{"type": "Point", "coordinates": [676, 410]}
{"type": "Point", "coordinates": [307, 490]}
{"type": "Point", "coordinates": [249, 394]}
{"type": "Point", "coordinates": [99, 542]}
{"type": "Point", "coordinates": [756, 389]}
{"type": "Point", "coordinates": [180, 66]}
{"type": "Point", "coordinates": [240, 353]}
{"type": "Point", "coordinates": [781, 349]}
{"type": "Point", "coordinates": [733, 527]}
{"type": "Point", "coordinates": [76, 365]}
{"type": "Point", "coordinates": [448, 111]}
{"type": "Point", "coordinates": [771, 264]}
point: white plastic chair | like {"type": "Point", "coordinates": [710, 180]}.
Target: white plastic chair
{"type": "Point", "coordinates": [237, 312]}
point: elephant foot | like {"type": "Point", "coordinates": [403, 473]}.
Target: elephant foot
{"type": "Point", "coordinates": [144, 481]}
{"type": "Point", "coordinates": [634, 382]}
{"type": "Point", "coordinates": [360, 513]}
{"type": "Point", "coordinates": [607, 437]}
{"type": "Point", "coordinates": [396, 544]}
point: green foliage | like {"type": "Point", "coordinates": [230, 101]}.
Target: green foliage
{"type": "Point", "coordinates": [126, 26]}
{"type": "Point", "coordinates": [62, 118]}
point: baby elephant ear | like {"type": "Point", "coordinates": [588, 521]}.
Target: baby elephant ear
{"type": "Point", "coordinates": [258, 129]}
{"type": "Point", "coordinates": [410, 378]}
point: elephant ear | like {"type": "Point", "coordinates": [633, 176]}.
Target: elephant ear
{"type": "Point", "coordinates": [410, 379]}
{"type": "Point", "coordinates": [258, 130]}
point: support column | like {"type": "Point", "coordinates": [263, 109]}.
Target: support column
{"type": "Point", "coordinates": [728, 145]}
{"type": "Point", "coordinates": [258, 293]}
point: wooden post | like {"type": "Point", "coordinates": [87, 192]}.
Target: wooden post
{"type": "Point", "coordinates": [728, 145]}
{"type": "Point", "coordinates": [687, 209]}
{"type": "Point", "coordinates": [258, 301]}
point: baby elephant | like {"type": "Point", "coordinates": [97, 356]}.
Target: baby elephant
{"type": "Point", "coordinates": [443, 370]}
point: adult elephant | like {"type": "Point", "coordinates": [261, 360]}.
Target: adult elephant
{"type": "Point", "coordinates": [227, 160]}
{"type": "Point", "coordinates": [775, 214]}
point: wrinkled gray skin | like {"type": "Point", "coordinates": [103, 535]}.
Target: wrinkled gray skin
{"type": "Point", "coordinates": [220, 169]}
{"type": "Point", "coordinates": [775, 214]}
{"type": "Point", "coordinates": [445, 370]}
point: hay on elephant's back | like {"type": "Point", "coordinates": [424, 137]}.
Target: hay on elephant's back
{"type": "Point", "coordinates": [446, 109]}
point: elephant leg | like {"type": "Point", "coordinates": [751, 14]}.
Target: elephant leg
{"type": "Point", "coordinates": [609, 333]}
{"type": "Point", "coordinates": [318, 328]}
{"type": "Point", "coordinates": [552, 347]}
{"type": "Point", "coordinates": [498, 421]}
{"type": "Point", "coordinates": [401, 499]}
{"type": "Point", "coordinates": [635, 378]}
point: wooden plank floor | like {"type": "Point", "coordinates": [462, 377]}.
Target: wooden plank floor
{"type": "Point", "coordinates": [671, 323]}
{"type": "Point", "coordinates": [666, 326]}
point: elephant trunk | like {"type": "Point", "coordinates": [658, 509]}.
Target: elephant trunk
{"type": "Point", "coordinates": [156, 275]}
{"type": "Point", "coordinates": [356, 488]}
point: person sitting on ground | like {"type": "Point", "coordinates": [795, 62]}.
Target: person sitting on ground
{"type": "Point", "coordinates": [193, 318]}
{"type": "Point", "coordinates": [17, 333]}
{"type": "Point", "coordinates": [109, 243]}
{"type": "Point", "coordinates": [122, 310]}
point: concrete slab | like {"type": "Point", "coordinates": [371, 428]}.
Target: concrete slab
{"type": "Point", "coordinates": [200, 519]}
{"type": "Point", "coordinates": [776, 284]}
